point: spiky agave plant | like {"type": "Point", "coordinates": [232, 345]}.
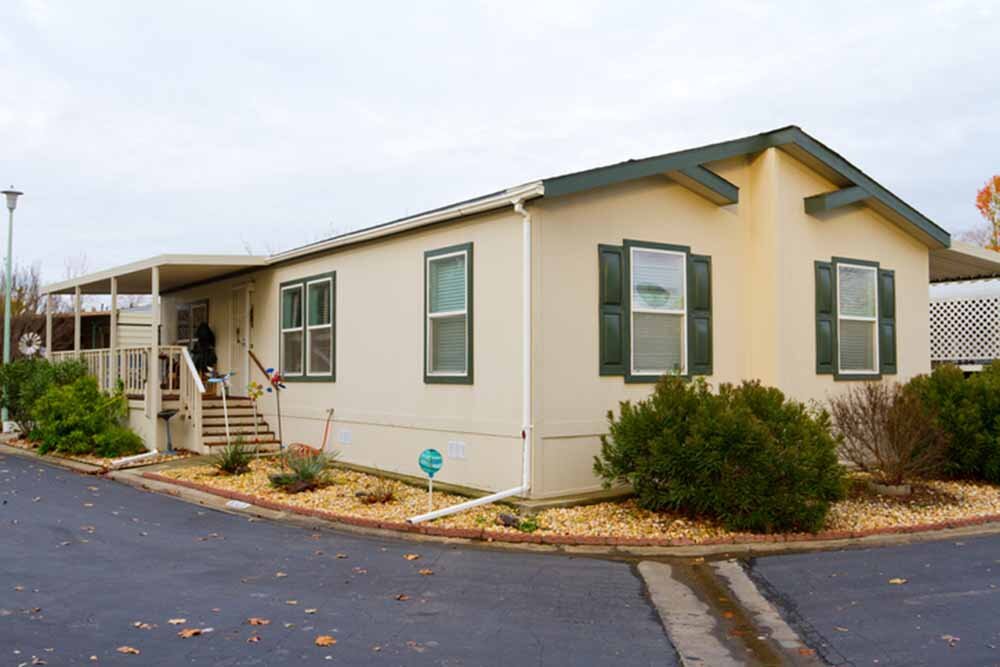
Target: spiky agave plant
{"type": "Point", "coordinates": [233, 459]}
{"type": "Point", "coordinates": [302, 472]}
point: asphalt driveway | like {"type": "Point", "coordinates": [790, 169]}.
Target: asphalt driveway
{"type": "Point", "coordinates": [934, 603]}
{"type": "Point", "coordinates": [86, 560]}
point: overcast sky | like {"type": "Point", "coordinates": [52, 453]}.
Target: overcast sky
{"type": "Point", "coordinates": [137, 128]}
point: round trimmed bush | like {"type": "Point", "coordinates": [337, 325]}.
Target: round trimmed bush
{"type": "Point", "coordinates": [746, 456]}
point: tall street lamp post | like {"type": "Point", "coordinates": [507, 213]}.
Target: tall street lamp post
{"type": "Point", "coordinates": [11, 196]}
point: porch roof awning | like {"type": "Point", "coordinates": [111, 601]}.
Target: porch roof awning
{"type": "Point", "coordinates": [963, 261]}
{"type": "Point", "coordinates": [176, 271]}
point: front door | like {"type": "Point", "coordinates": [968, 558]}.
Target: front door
{"type": "Point", "coordinates": [239, 340]}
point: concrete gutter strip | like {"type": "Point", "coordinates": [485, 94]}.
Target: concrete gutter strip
{"type": "Point", "coordinates": [687, 620]}
{"type": "Point", "coordinates": [764, 613]}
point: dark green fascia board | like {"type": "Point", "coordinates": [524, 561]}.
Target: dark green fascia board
{"type": "Point", "coordinates": [793, 140]}
{"type": "Point", "coordinates": [829, 201]}
{"type": "Point", "coordinates": [708, 184]}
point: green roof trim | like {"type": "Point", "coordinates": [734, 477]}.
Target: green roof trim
{"type": "Point", "coordinates": [793, 140]}
{"type": "Point", "coordinates": [708, 184]}
{"type": "Point", "coordinates": [829, 201]}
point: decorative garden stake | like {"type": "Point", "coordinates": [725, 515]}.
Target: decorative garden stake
{"type": "Point", "coordinates": [277, 385]}
{"type": "Point", "coordinates": [430, 462]}
{"type": "Point", "coordinates": [223, 381]}
{"type": "Point", "coordinates": [254, 391]}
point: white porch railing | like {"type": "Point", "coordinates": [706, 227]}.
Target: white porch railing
{"type": "Point", "coordinates": [191, 391]}
{"type": "Point", "coordinates": [132, 368]}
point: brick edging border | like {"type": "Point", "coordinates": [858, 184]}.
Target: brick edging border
{"type": "Point", "coordinates": [572, 540]}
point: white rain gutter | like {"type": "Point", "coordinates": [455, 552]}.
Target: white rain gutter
{"type": "Point", "coordinates": [480, 205]}
{"type": "Point", "coordinates": [527, 426]}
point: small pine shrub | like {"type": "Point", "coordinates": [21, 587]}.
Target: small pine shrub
{"type": "Point", "coordinates": [233, 459]}
{"type": "Point", "coordinates": [746, 456]}
{"type": "Point", "coordinates": [302, 472]}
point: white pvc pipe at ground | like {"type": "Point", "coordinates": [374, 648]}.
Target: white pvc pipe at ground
{"type": "Point", "coordinates": [461, 507]}
{"type": "Point", "coordinates": [136, 457]}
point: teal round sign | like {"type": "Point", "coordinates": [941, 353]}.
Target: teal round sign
{"type": "Point", "coordinates": [430, 461]}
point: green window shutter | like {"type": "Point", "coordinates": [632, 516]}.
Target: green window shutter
{"type": "Point", "coordinates": [887, 321]}
{"type": "Point", "coordinates": [699, 312]}
{"type": "Point", "coordinates": [611, 310]}
{"type": "Point", "coordinates": [826, 319]}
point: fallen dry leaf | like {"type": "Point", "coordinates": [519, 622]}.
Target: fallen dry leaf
{"type": "Point", "coordinates": [402, 597]}
{"type": "Point", "coordinates": [727, 614]}
{"type": "Point", "coordinates": [129, 650]}
{"type": "Point", "coordinates": [426, 571]}
{"type": "Point", "coordinates": [897, 581]}
{"type": "Point", "coordinates": [177, 621]}
{"type": "Point", "coordinates": [143, 626]}
{"type": "Point", "coordinates": [341, 556]}
{"type": "Point", "coordinates": [411, 556]}
{"type": "Point", "coordinates": [310, 611]}
{"type": "Point", "coordinates": [806, 651]}
{"type": "Point", "coordinates": [951, 639]}
{"type": "Point", "coordinates": [325, 640]}
{"type": "Point", "coordinates": [189, 632]}
{"type": "Point", "coordinates": [258, 621]}
{"type": "Point", "coordinates": [360, 570]}
{"type": "Point", "coordinates": [253, 639]}
{"type": "Point", "coordinates": [291, 602]}
{"type": "Point", "coordinates": [280, 574]}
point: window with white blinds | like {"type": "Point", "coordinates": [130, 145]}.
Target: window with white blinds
{"type": "Point", "coordinates": [857, 318]}
{"type": "Point", "coordinates": [658, 287]}
{"type": "Point", "coordinates": [307, 328]}
{"type": "Point", "coordinates": [448, 314]}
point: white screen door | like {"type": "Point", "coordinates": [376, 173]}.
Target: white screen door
{"type": "Point", "coordinates": [239, 340]}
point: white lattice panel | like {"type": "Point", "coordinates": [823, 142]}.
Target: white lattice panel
{"type": "Point", "coordinates": [965, 330]}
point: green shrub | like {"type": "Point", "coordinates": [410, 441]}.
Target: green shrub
{"type": "Point", "coordinates": [26, 380]}
{"type": "Point", "coordinates": [302, 472]}
{"type": "Point", "coordinates": [70, 418]}
{"type": "Point", "coordinates": [746, 456]}
{"type": "Point", "coordinates": [968, 411]}
{"type": "Point", "coordinates": [233, 459]}
{"type": "Point", "coordinates": [118, 441]}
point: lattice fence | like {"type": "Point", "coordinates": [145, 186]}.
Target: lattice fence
{"type": "Point", "coordinates": [965, 331]}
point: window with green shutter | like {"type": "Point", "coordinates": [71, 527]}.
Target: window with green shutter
{"type": "Point", "coordinates": [307, 336]}
{"type": "Point", "coordinates": [654, 311]}
{"type": "Point", "coordinates": [448, 315]}
{"type": "Point", "coordinates": [855, 319]}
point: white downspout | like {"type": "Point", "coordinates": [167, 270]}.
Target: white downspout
{"type": "Point", "coordinates": [527, 426]}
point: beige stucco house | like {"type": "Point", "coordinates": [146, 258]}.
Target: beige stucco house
{"type": "Point", "coordinates": [500, 330]}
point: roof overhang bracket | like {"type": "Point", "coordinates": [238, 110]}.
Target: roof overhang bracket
{"type": "Point", "coordinates": [708, 184]}
{"type": "Point", "coordinates": [829, 201]}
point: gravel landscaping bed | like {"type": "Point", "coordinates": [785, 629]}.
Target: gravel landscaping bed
{"type": "Point", "coordinates": [934, 502]}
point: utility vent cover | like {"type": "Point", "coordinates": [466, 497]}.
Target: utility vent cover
{"type": "Point", "coordinates": [965, 331]}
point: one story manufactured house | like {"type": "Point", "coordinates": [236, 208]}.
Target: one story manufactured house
{"type": "Point", "coordinates": [501, 329]}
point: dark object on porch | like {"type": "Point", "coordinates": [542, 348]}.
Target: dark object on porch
{"type": "Point", "coordinates": [166, 416]}
{"type": "Point", "coordinates": [203, 348]}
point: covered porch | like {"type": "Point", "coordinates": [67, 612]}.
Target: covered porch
{"type": "Point", "coordinates": [155, 376]}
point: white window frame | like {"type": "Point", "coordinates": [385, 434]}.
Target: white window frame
{"type": "Point", "coordinates": [874, 320]}
{"type": "Point", "coordinates": [429, 316]}
{"type": "Point", "coordinates": [633, 310]}
{"type": "Point", "coordinates": [283, 330]}
{"type": "Point", "coordinates": [309, 328]}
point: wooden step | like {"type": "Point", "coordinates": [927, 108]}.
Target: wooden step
{"type": "Point", "coordinates": [237, 419]}
{"type": "Point", "coordinates": [248, 432]}
{"type": "Point", "coordinates": [220, 441]}
{"type": "Point", "coordinates": [231, 400]}
{"type": "Point", "coordinates": [233, 412]}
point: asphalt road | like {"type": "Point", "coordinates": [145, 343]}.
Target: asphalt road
{"type": "Point", "coordinates": [843, 604]}
{"type": "Point", "coordinates": [84, 559]}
